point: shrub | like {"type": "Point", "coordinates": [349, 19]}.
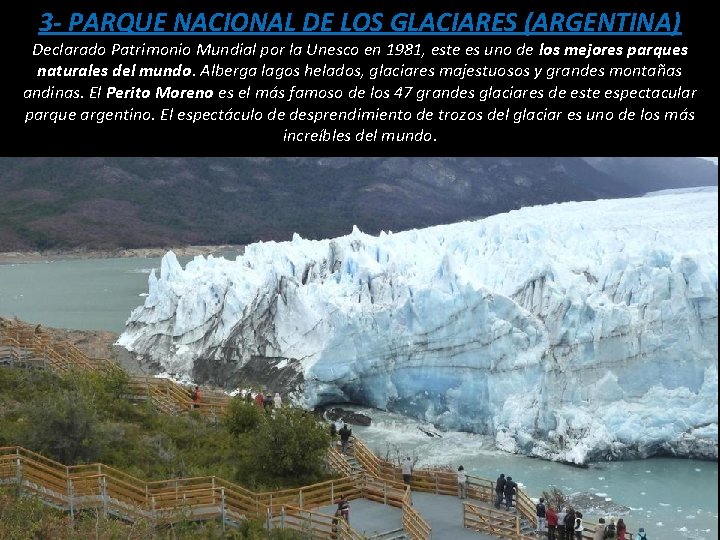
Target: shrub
{"type": "Point", "coordinates": [64, 427]}
{"type": "Point", "coordinates": [242, 417]}
{"type": "Point", "coordinates": [288, 448]}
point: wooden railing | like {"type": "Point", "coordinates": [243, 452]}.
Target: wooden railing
{"type": "Point", "coordinates": [525, 506]}
{"type": "Point", "coordinates": [59, 355]}
{"type": "Point", "coordinates": [337, 463]}
{"type": "Point", "coordinates": [314, 524]}
{"type": "Point", "coordinates": [35, 348]}
{"type": "Point", "coordinates": [114, 492]}
{"type": "Point", "coordinates": [491, 521]}
{"type": "Point", "coordinates": [416, 528]}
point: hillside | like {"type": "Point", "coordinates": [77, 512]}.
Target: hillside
{"type": "Point", "coordinates": [111, 203]}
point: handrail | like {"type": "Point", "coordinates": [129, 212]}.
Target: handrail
{"type": "Point", "coordinates": [413, 523]}
{"type": "Point", "coordinates": [318, 525]}
{"type": "Point", "coordinates": [98, 485]}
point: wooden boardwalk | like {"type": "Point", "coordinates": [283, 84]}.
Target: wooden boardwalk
{"type": "Point", "coordinates": [382, 507]}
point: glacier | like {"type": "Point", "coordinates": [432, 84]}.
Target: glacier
{"type": "Point", "coordinates": [574, 332]}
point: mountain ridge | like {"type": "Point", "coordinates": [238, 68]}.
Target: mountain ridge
{"type": "Point", "coordinates": [139, 202]}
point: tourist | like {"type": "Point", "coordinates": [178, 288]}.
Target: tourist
{"type": "Point", "coordinates": [562, 512]}
{"type": "Point", "coordinates": [578, 526]}
{"type": "Point", "coordinates": [196, 395]}
{"type": "Point", "coordinates": [621, 529]}
{"type": "Point", "coordinates": [277, 400]}
{"type": "Point", "coordinates": [570, 524]}
{"type": "Point", "coordinates": [407, 468]}
{"type": "Point", "coordinates": [540, 513]}
{"type": "Point", "coordinates": [510, 487]}
{"type": "Point", "coordinates": [345, 433]}
{"type": "Point", "coordinates": [343, 508]}
{"type": "Point", "coordinates": [268, 403]}
{"type": "Point", "coordinates": [552, 522]}
{"type": "Point", "coordinates": [611, 530]}
{"type": "Point", "coordinates": [600, 530]}
{"type": "Point", "coordinates": [259, 399]}
{"type": "Point", "coordinates": [641, 534]}
{"type": "Point", "coordinates": [499, 490]}
{"type": "Point", "coordinates": [462, 481]}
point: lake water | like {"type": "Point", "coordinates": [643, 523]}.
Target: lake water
{"type": "Point", "coordinates": [671, 498]}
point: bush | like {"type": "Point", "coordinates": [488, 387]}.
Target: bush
{"type": "Point", "coordinates": [289, 448]}
{"type": "Point", "coordinates": [64, 427]}
{"type": "Point", "coordinates": [242, 417]}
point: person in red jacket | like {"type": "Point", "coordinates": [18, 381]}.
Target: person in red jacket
{"type": "Point", "coordinates": [621, 529]}
{"type": "Point", "coordinates": [259, 400]}
{"type": "Point", "coordinates": [196, 395]}
{"type": "Point", "coordinates": [552, 522]}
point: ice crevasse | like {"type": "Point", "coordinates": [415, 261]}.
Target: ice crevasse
{"type": "Point", "coordinates": [573, 332]}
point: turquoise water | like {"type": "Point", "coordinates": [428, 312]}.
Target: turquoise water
{"type": "Point", "coordinates": [672, 498]}
{"type": "Point", "coordinates": [93, 294]}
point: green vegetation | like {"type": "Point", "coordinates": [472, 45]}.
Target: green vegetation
{"type": "Point", "coordinates": [86, 417]}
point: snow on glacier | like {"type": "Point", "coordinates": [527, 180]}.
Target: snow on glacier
{"type": "Point", "coordinates": [573, 331]}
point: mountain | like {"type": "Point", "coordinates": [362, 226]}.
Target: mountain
{"type": "Point", "coordinates": [652, 174]}
{"type": "Point", "coordinates": [576, 332]}
{"type": "Point", "coordinates": [106, 203]}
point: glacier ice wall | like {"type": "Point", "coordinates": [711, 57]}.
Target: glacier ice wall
{"type": "Point", "coordinates": [575, 331]}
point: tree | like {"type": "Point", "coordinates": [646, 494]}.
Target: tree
{"type": "Point", "coordinates": [556, 498]}
{"type": "Point", "coordinates": [290, 445]}
{"type": "Point", "coordinates": [64, 426]}
{"type": "Point", "coordinates": [242, 417]}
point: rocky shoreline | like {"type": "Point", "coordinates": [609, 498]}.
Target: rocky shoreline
{"type": "Point", "coordinates": [16, 257]}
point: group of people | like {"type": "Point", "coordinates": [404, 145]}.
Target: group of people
{"type": "Point", "coordinates": [344, 432]}
{"type": "Point", "coordinates": [567, 524]}
{"type": "Point", "coordinates": [612, 530]}
{"type": "Point", "coordinates": [505, 489]}
{"type": "Point", "coordinates": [265, 401]}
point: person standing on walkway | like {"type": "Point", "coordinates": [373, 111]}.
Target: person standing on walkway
{"type": "Point", "coordinates": [510, 487]}
{"type": "Point", "coordinates": [268, 403]}
{"type": "Point", "coordinates": [196, 396]}
{"type": "Point", "coordinates": [462, 480]}
{"type": "Point", "coordinates": [343, 508]}
{"type": "Point", "coordinates": [540, 513]}
{"type": "Point", "coordinates": [259, 399]}
{"type": "Point", "coordinates": [499, 490]}
{"type": "Point", "coordinates": [621, 529]}
{"type": "Point", "coordinates": [345, 433]}
{"type": "Point", "coordinates": [570, 524]}
{"type": "Point", "coordinates": [277, 400]}
{"type": "Point", "coordinates": [561, 523]}
{"type": "Point", "coordinates": [600, 530]}
{"type": "Point", "coordinates": [407, 468]}
{"type": "Point", "coordinates": [552, 521]}
{"type": "Point", "coordinates": [578, 527]}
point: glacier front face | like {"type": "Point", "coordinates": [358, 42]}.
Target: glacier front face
{"type": "Point", "coordinates": [573, 332]}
